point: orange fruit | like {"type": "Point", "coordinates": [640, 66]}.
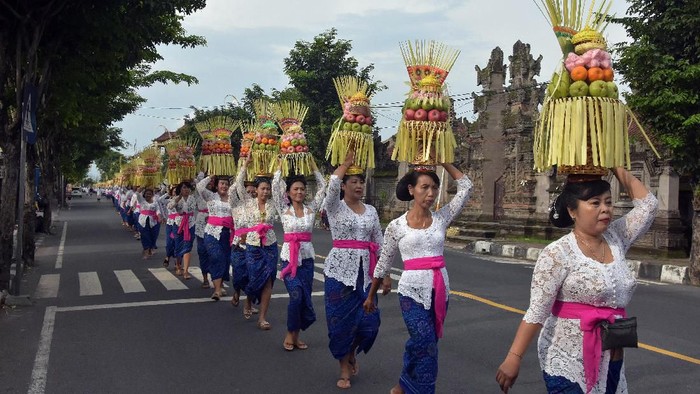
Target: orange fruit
{"type": "Point", "coordinates": [595, 74]}
{"type": "Point", "coordinates": [263, 141]}
{"type": "Point", "coordinates": [579, 73]}
{"type": "Point", "coordinates": [608, 75]}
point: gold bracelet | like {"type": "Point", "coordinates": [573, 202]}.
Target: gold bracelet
{"type": "Point", "coordinates": [515, 354]}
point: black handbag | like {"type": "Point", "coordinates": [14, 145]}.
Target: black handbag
{"type": "Point", "coordinates": [621, 333]}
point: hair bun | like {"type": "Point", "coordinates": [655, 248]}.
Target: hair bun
{"type": "Point", "coordinates": [402, 189]}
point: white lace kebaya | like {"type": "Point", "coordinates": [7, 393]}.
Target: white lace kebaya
{"type": "Point", "coordinates": [200, 221]}
{"type": "Point", "coordinates": [293, 224]}
{"type": "Point", "coordinates": [146, 206]}
{"type": "Point", "coordinates": [343, 265]}
{"type": "Point", "coordinates": [564, 273]}
{"type": "Point", "coordinates": [417, 243]}
{"type": "Point", "coordinates": [183, 206]}
{"type": "Point", "coordinates": [216, 207]}
{"type": "Point", "coordinates": [251, 214]}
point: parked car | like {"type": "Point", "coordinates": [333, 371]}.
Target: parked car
{"type": "Point", "coordinates": [76, 192]}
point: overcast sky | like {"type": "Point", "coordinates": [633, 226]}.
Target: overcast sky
{"type": "Point", "coordinates": [248, 40]}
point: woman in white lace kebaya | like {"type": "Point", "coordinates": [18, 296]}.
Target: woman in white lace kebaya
{"type": "Point", "coordinates": [218, 233]}
{"type": "Point", "coordinates": [261, 250]}
{"type": "Point", "coordinates": [419, 235]}
{"type": "Point", "coordinates": [357, 236]}
{"type": "Point", "coordinates": [185, 207]}
{"type": "Point", "coordinates": [148, 222]}
{"type": "Point", "coordinates": [578, 281]}
{"type": "Point", "coordinates": [199, 226]}
{"type": "Point", "coordinates": [297, 253]}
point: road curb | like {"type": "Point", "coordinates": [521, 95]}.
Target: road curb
{"type": "Point", "coordinates": [666, 273]}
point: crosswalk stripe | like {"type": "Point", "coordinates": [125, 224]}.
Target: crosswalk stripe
{"type": "Point", "coordinates": [129, 282]}
{"type": "Point", "coordinates": [170, 281]}
{"type": "Point", "coordinates": [319, 277]}
{"type": "Point", "coordinates": [48, 286]}
{"type": "Point", "coordinates": [89, 284]}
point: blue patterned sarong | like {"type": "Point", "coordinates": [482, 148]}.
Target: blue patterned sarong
{"type": "Point", "coordinates": [169, 241]}
{"type": "Point", "coordinates": [262, 266]}
{"type": "Point", "coordinates": [203, 256]}
{"type": "Point", "coordinates": [219, 252]}
{"type": "Point", "coordinates": [562, 385]}
{"type": "Point", "coordinates": [240, 268]}
{"type": "Point", "coordinates": [149, 235]}
{"type": "Point", "coordinates": [300, 311]}
{"type": "Point", "coordinates": [348, 324]}
{"type": "Point", "coordinates": [180, 246]}
{"type": "Point", "coordinates": [420, 357]}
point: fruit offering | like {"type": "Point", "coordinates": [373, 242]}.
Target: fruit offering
{"type": "Point", "coordinates": [265, 146]}
{"type": "Point", "coordinates": [583, 125]}
{"type": "Point", "coordinates": [354, 128]}
{"type": "Point", "coordinates": [425, 135]}
{"type": "Point", "coordinates": [181, 161]}
{"type": "Point", "coordinates": [294, 150]}
{"type": "Point", "coordinates": [147, 168]}
{"type": "Point", "coordinates": [217, 153]}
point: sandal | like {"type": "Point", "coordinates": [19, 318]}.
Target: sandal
{"type": "Point", "coordinates": [186, 275]}
{"type": "Point", "coordinates": [216, 296]}
{"type": "Point", "coordinates": [343, 383]}
{"type": "Point", "coordinates": [205, 284]}
{"type": "Point", "coordinates": [288, 346]}
{"type": "Point", "coordinates": [235, 299]}
{"type": "Point", "coordinates": [264, 325]}
{"type": "Point", "coordinates": [301, 345]}
{"type": "Point", "coordinates": [247, 314]}
{"type": "Point", "coordinates": [166, 262]}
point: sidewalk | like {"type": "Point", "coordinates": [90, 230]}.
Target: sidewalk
{"type": "Point", "coordinates": [665, 270]}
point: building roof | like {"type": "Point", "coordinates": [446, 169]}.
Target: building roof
{"type": "Point", "coordinates": [164, 137]}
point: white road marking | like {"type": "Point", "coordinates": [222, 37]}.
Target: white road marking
{"type": "Point", "coordinates": [170, 281]}
{"type": "Point", "coordinates": [319, 277]}
{"type": "Point", "coordinates": [89, 284]}
{"type": "Point", "coordinates": [41, 361]}
{"type": "Point", "coordinates": [160, 302]}
{"type": "Point", "coordinates": [129, 282]}
{"type": "Point", "coordinates": [61, 245]}
{"type": "Point", "coordinates": [48, 286]}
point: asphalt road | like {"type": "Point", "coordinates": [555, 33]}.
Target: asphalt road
{"type": "Point", "coordinates": [106, 321]}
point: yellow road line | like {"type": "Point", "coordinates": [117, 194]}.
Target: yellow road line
{"type": "Point", "coordinates": [521, 312]}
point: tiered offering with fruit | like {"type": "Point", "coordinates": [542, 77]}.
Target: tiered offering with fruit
{"type": "Point", "coordinates": [425, 137]}
{"type": "Point", "coordinates": [294, 150]}
{"type": "Point", "coordinates": [148, 168]}
{"type": "Point", "coordinates": [354, 128]}
{"type": "Point", "coordinates": [247, 140]}
{"type": "Point", "coordinates": [583, 127]}
{"type": "Point", "coordinates": [265, 148]}
{"type": "Point", "coordinates": [181, 161]}
{"type": "Point", "coordinates": [217, 154]}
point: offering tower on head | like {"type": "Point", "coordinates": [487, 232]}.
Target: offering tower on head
{"type": "Point", "coordinates": [294, 151]}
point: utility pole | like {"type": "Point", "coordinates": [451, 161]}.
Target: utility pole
{"type": "Point", "coordinates": [19, 261]}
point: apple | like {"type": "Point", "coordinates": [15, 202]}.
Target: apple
{"type": "Point", "coordinates": [306, 148]}
{"type": "Point", "coordinates": [578, 89]}
{"type": "Point", "coordinates": [290, 149]}
{"type": "Point", "coordinates": [598, 89]}
{"type": "Point", "coordinates": [368, 120]}
{"type": "Point", "coordinates": [349, 118]}
{"type": "Point", "coordinates": [347, 126]}
{"type": "Point", "coordinates": [367, 129]}
{"type": "Point", "coordinates": [302, 142]}
{"type": "Point", "coordinates": [360, 119]}
{"type": "Point", "coordinates": [258, 139]}
{"type": "Point", "coordinates": [421, 115]}
{"type": "Point", "coordinates": [356, 127]}
{"type": "Point", "coordinates": [434, 115]}
{"type": "Point", "coordinates": [295, 142]}
{"type": "Point", "coordinates": [409, 114]}
{"type": "Point", "coordinates": [443, 116]}
{"type": "Point", "coordinates": [299, 148]}
{"type": "Point", "coordinates": [612, 90]}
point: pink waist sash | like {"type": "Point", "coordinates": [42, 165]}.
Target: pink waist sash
{"type": "Point", "coordinates": [172, 216]}
{"type": "Point", "coordinates": [261, 229]}
{"type": "Point", "coordinates": [222, 221]}
{"type": "Point", "coordinates": [150, 213]}
{"type": "Point", "coordinates": [294, 240]}
{"type": "Point", "coordinates": [434, 263]}
{"type": "Point", "coordinates": [590, 316]}
{"type": "Point", "coordinates": [354, 244]}
{"type": "Point", "coordinates": [203, 211]}
{"type": "Point", "coordinates": [185, 226]}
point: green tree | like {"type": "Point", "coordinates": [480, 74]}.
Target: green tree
{"type": "Point", "coordinates": [662, 67]}
{"type": "Point", "coordinates": [109, 164]}
{"type": "Point", "coordinates": [87, 59]}
{"type": "Point", "coordinates": [311, 67]}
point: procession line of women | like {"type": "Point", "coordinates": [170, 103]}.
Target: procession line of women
{"type": "Point", "coordinates": [581, 275]}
